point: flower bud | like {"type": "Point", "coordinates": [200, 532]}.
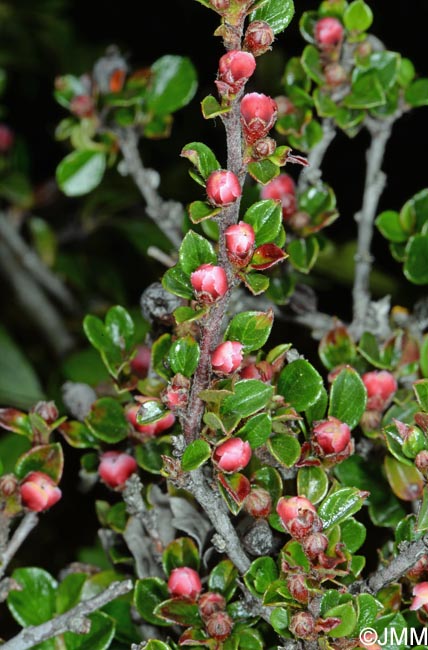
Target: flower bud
{"type": "Point", "coordinates": [235, 68]}
{"type": "Point", "coordinates": [47, 411]}
{"type": "Point", "coordinates": [227, 357]}
{"type": "Point", "coordinates": [258, 503]}
{"type": "Point", "coordinates": [116, 467]}
{"type": "Point", "coordinates": [210, 603]}
{"type": "Point", "coordinates": [141, 361]}
{"type": "Point", "coordinates": [302, 625]}
{"type": "Point", "coordinates": [209, 283]}
{"type": "Point", "coordinates": [219, 626]}
{"type": "Point", "coordinates": [8, 485]}
{"type": "Point", "coordinates": [420, 600]}
{"type": "Point", "coordinates": [314, 544]}
{"type": "Point", "coordinates": [262, 371]}
{"type": "Point", "coordinates": [421, 462]}
{"type": "Point", "coordinates": [263, 148]}
{"type": "Point", "coordinates": [299, 516]}
{"type": "Point", "coordinates": [282, 188]}
{"type": "Point", "coordinates": [297, 220]}
{"type": "Point", "coordinates": [153, 428]}
{"type": "Point", "coordinates": [258, 115]}
{"type": "Point", "coordinates": [223, 188]}
{"type": "Point", "coordinates": [331, 436]}
{"type": "Point", "coordinates": [7, 138]}
{"type": "Point", "coordinates": [328, 33]}
{"type": "Point", "coordinates": [184, 583]}
{"type": "Point", "coordinates": [381, 386]}
{"type": "Point", "coordinates": [176, 395]}
{"type": "Point", "coordinates": [240, 240]}
{"type": "Point", "coordinates": [82, 106]}
{"type": "Point", "coordinates": [419, 570]}
{"type": "Point", "coordinates": [220, 5]}
{"type": "Point", "coordinates": [335, 74]}
{"type": "Point", "coordinates": [233, 455]}
{"type": "Point", "coordinates": [258, 37]}
{"type": "Point", "coordinates": [296, 584]}
{"type": "Point", "coordinates": [39, 492]}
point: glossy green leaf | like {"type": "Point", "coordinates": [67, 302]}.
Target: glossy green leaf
{"type": "Point", "coordinates": [417, 93]}
{"type": "Point", "coordinates": [183, 356]}
{"type": "Point", "coordinates": [415, 266]}
{"type": "Point", "coordinates": [260, 575]}
{"type": "Point", "coordinates": [202, 157]}
{"type": "Point", "coordinates": [181, 611]}
{"type": "Point", "coordinates": [285, 448]}
{"type": "Point", "coordinates": [337, 347]}
{"type": "Point", "coordinates": [405, 480]}
{"type": "Point", "coordinates": [390, 226]}
{"type": "Point", "coordinates": [311, 62]}
{"type": "Point", "coordinates": [176, 281]}
{"type": "Point", "coordinates": [257, 283]}
{"type": "Point", "coordinates": [149, 455]}
{"type": "Point", "coordinates": [348, 616]}
{"type": "Point", "coordinates": [201, 210]}
{"type": "Point", "coordinates": [280, 620]}
{"type": "Point", "coordinates": [120, 327]}
{"type": "Point", "coordinates": [278, 13]}
{"type": "Point", "coordinates": [300, 384]}
{"type": "Point", "coordinates": [367, 92]}
{"type": "Point", "coordinates": [107, 420]}
{"type": "Point", "coordinates": [263, 171]}
{"type": "Point", "coordinates": [80, 172]}
{"type": "Point", "coordinates": [223, 579]}
{"type": "Point", "coordinates": [181, 552]}
{"type": "Point", "coordinates": [358, 16]}
{"type": "Point", "coordinates": [352, 534]}
{"type": "Point", "coordinates": [266, 219]}
{"type": "Point", "coordinates": [48, 459]}
{"type": "Point", "coordinates": [150, 411]}
{"type": "Point", "coordinates": [422, 524]}
{"type": "Point", "coordinates": [249, 396]}
{"type": "Point", "coordinates": [340, 505]}
{"type": "Point", "coordinates": [195, 455]}
{"type": "Point", "coordinates": [348, 397]}
{"type": "Point", "coordinates": [99, 637]}
{"type": "Point", "coordinates": [312, 482]}
{"type": "Point", "coordinates": [256, 430]}
{"type": "Point", "coordinates": [195, 251]}
{"type": "Point", "coordinates": [148, 594]}
{"type": "Point", "coordinates": [172, 85]}
{"type": "Point", "coordinates": [303, 253]}
{"type": "Point", "coordinates": [251, 328]}
{"type": "Point", "coordinates": [69, 592]}
{"type": "Point", "coordinates": [368, 609]}
{"type": "Point", "coordinates": [211, 108]}
{"type": "Point", "coordinates": [37, 587]}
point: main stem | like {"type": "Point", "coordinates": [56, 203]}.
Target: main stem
{"type": "Point", "coordinates": [375, 181]}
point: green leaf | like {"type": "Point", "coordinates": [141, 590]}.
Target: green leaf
{"type": "Point", "coordinates": [211, 108]}
{"type": "Point", "coordinates": [48, 459]}
{"type": "Point", "coordinates": [405, 480]}
{"type": "Point", "coordinates": [260, 575]}
{"type": "Point", "coordinates": [35, 603]}
{"type": "Point", "coordinates": [422, 524]}
{"type": "Point", "coordinates": [69, 591]}
{"type": "Point", "coordinates": [98, 337]}
{"type": "Point", "coordinates": [181, 552]}
{"type": "Point", "coordinates": [415, 266]}
{"type": "Point", "coordinates": [285, 448]}
{"type": "Point", "coordinates": [99, 637]}
{"type": "Point", "coordinates": [348, 616]}
{"type": "Point", "coordinates": [368, 609]}
{"type": "Point", "coordinates": [195, 251]}
{"type": "Point", "coordinates": [120, 327]}
{"type": "Point", "coordinates": [337, 347]}
{"type": "Point", "coordinates": [421, 390]}
{"type": "Point", "coordinates": [195, 455]}
{"type": "Point", "coordinates": [249, 396]}
{"type": "Point", "coordinates": [263, 171]}
{"type": "Point", "coordinates": [148, 594]}
{"type": "Point", "coordinates": [300, 384]}
{"type": "Point", "coordinates": [223, 579]}
{"type": "Point", "coordinates": [417, 93]}
{"type": "Point", "coordinates": [257, 283]}
{"type": "Point", "coordinates": [172, 85]}
{"type": "Point", "coordinates": [348, 397]}
{"type": "Point", "coordinates": [150, 411]}
{"type": "Point", "coordinates": [358, 16]}
{"type": "Point", "coordinates": [149, 455]}
{"type": "Point", "coordinates": [201, 210]}
{"type": "Point", "coordinates": [202, 157]}
{"type": "Point", "coordinates": [367, 92]}
{"type": "Point", "coordinates": [389, 225]}
{"type": "Point", "coordinates": [266, 219]}
{"type": "Point", "coordinates": [251, 328]}
{"type": "Point", "coordinates": [19, 385]}
{"type": "Point", "coordinates": [176, 281]}
{"type": "Point", "coordinates": [256, 430]}
{"type": "Point", "coordinates": [181, 611]}
{"type": "Point", "coordinates": [155, 644]}
{"type": "Point", "coordinates": [107, 420]}
{"type": "Point", "coordinates": [80, 172]}
{"type": "Point", "coordinates": [278, 13]}
{"type": "Point", "coordinates": [183, 356]}
{"type": "Point", "coordinates": [311, 62]}
{"type": "Point", "coordinates": [312, 482]}
{"type": "Point", "coordinates": [386, 65]}
{"type": "Point", "coordinates": [353, 534]}
{"type": "Point", "coordinates": [303, 253]}
{"type": "Point", "coordinates": [340, 505]}
{"type": "Point", "coordinates": [279, 620]}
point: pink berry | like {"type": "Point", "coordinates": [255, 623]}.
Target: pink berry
{"type": "Point", "coordinates": [328, 32]}
{"type": "Point", "coordinates": [258, 37]}
{"type": "Point", "coordinates": [381, 386]}
{"type": "Point", "coordinates": [240, 240]}
{"type": "Point", "coordinates": [233, 455]}
{"type": "Point", "coordinates": [227, 357]}
{"type": "Point", "coordinates": [39, 492]}
{"type": "Point", "coordinates": [209, 282]}
{"type": "Point", "coordinates": [258, 115]}
{"type": "Point", "coordinates": [153, 428]}
{"type": "Point", "coordinates": [223, 188]}
{"type": "Point", "coordinates": [420, 600]}
{"type": "Point", "coordinates": [7, 138]}
{"type": "Point", "coordinates": [332, 436]}
{"type": "Point", "coordinates": [236, 67]}
{"type": "Point", "coordinates": [298, 516]}
{"type": "Point", "coordinates": [282, 188]}
{"type": "Point", "coordinates": [141, 362]}
{"type": "Point", "coordinates": [116, 467]}
{"type": "Point", "coordinates": [184, 583]}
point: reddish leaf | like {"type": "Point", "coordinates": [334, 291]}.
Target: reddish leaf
{"type": "Point", "coordinates": [16, 421]}
{"type": "Point", "coordinates": [266, 256]}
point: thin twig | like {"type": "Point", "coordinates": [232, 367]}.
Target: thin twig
{"type": "Point", "coordinates": [311, 175]}
{"type": "Point", "coordinates": [166, 214]}
{"type": "Point", "coordinates": [24, 528]}
{"type": "Point", "coordinates": [72, 621]}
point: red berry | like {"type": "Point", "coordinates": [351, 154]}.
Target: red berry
{"type": "Point", "coordinates": [185, 583]}
{"type": "Point", "coordinates": [331, 436]}
{"type": "Point", "coordinates": [328, 32]}
{"type": "Point", "coordinates": [235, 67]}
{"type": "Point", "coordinates": [381, 386]}
{"type": "Point", "coordinates": [282, 188]}
{"type": "Point", "coordinates": [223, 188]}
{"type": "Point", "coordinates": [258, 37]}
{"type": "Point", "coordinates": [298, 516]}
{"type": "Point", "coordinates": [258, 503]}
{"type": "Point", "coordinates": [240, 240]}
{"type": "Point", "coordinates": [258, 115]}
{"type": "Point", "coordinates": [296, 584]}
{"type": "Point", "coordinates": [39, 492]}
{"type": "Point", "coordinates": [116, 467]}
{"type": "Point", "coordinates": [209, 282]}
{"type": "Point", "coordinates": [227, 357]}
{"type": "Point", "coordinates": [233, 455]}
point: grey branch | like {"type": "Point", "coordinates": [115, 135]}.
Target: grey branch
{"type": "Point", "coordinates": [72, 621]}
{"type": "Point", "coordinates": [166, 214]}
{"type": "Point", "coordinates": [24, 528]}
{"type": "Point", "coordinates": [311, 175]}
{"type": "Point", "coordinates": [380, 131]}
